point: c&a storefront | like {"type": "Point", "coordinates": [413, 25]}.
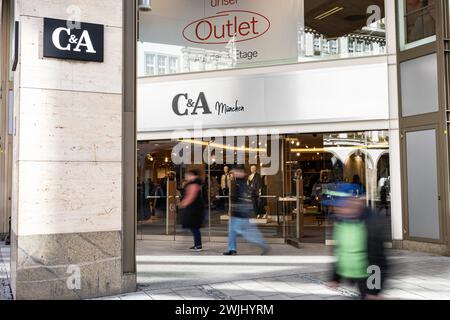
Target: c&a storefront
{"type": "Point", "coordinates": [273, 87]}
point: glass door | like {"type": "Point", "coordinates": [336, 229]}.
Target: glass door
{"type": "Point", "coordinates": [219, 183]}
{"type": "Point", "coordinates": [225, 153]}
{"type": "Point", "coordinates": [306, 174]}
{"type": "Point", "coordinates": [314, 163]}
{"type": "Point", "coordinates": [157, 189]}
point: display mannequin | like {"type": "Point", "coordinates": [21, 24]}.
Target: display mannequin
{"type": "Point", "coordinates": [225, 183]}
{"type": "Point", "coordinates": [255, 185]}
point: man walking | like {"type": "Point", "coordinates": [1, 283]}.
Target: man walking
{"type": "Point", "coordinates": [241, 212]}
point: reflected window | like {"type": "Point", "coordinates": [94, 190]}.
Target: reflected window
{"type": "Point", "coordinates": [339, 29]}
{"type": "Point", "coordinates": [198, 35]}
{"type": "Point", "coordinates": [417, 22]}
{"type": "Point", "coordinates": [162, 65]}
{"type": "Point", "coordinates": [150, 64]}
{"type": "Point", "coordinates": [158, 64]}
{"type": "Point", "coordinates": [420, 19]}
{"type": "Point", "coordinates": [173, 65]}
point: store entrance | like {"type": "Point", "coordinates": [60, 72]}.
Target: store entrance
{"type": "Point", "coordinates": [288, 200]}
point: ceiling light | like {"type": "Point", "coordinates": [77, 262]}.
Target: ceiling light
{"type": "Point", "coordinates": [329, 13]}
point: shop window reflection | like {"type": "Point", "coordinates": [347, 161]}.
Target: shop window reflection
{"type": "Point", "coordinates": [420, 19]}
{"type": "Point", "coordinates": [327, 29]}
{"type": "Point", "coordinates": [417, 20]}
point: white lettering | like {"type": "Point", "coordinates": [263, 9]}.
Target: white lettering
{"type": "Point", "coordinates": [374, 280]}
{"type": "Point", "coordinates": [85, 41]}
{"type": "Point", "coordinates": [74, 280]}
{"type": "Point", "coordinates": [56, 39]}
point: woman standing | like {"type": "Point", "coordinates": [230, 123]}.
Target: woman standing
{"type": "Point", "coordinates": [192, 207]}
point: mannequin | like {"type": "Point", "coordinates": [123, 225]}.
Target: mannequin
{"type": "Point", "coordinates": [225, 183]}
{"type": "Point", "coordinates": [255, 185]}
{"type": "Point", "coordinates": [226, 179]}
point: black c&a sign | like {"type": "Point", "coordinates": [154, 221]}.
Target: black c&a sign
{"type": "Point", "coordinates": [72, 40]}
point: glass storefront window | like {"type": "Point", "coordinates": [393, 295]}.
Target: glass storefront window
{"type": "Point", "coordinates": [289, 202]}
{"type": "Point", "coordinates": [417, 22]}
{"type": "Point", "coordinates": [215, 35]}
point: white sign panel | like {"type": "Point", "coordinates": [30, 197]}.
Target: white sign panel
{"type": "Point", "coordinates": [308, 96]}
{"type": "Point", "coordinates": [250, 31]}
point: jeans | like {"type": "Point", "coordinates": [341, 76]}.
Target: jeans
{"type": "Point", "coordinates": [243, 227]}
{"type": "Point", "coordinates": [197, 236]}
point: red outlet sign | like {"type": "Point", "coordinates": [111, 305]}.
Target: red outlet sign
{"type": "Point", "coordinates": [236, 25]}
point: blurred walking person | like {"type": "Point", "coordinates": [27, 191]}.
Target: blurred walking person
{"type": "Point", "coordinates": [358, 235]}
{"type": "Point", "coordinates": [241, 212]}
{"type": "Point", "coordinates": [192, 208]}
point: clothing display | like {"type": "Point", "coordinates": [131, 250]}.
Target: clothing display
{"type": "Point", "coordinates": [255, 185]}
{"type": "Point", "coordinates": [225, 186]}
{"type": "Point", "coordinates": [225, 181]}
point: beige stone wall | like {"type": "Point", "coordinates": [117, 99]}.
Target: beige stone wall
{"type": "Point", "coordinates": [68, 155]}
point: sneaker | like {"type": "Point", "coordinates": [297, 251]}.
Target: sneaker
{"type": "Point", "coordinates": [196, 249]}
{"type": "Point", "coordinates": [230, 253]}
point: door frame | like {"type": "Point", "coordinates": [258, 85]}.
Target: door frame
{"type": "Point", "coordinates": [441, 200]}
{"type": "Point", "coordinates": [437, 120]}
{"type": "Point", "coordinates": [6, 136]}
{"type": "Point", "coordinates": [129, 137]}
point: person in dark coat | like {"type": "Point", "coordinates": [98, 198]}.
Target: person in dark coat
{"type": "Point", "coordinates": [376, 238]}
{"type": "Point", "coordinates": [192, 208]}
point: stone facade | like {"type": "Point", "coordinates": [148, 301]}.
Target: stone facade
{"type": "Point", "coordinates": [67, 192]}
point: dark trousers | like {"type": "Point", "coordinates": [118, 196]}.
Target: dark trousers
{"type": "Point", "coordinates": [256, 201]}
{"type": "Point", "coordinates": [197, 236]}
{"type": "Point", "coordinates": [224, 201]}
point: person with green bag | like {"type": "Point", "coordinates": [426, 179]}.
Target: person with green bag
{"type": "Point", "coordinates": [350, 233]}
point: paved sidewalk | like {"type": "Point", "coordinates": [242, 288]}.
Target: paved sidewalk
{"type": "Point", "coordinates": [166, 271]}
{"type": "Point", "coordinates": [5, 290]}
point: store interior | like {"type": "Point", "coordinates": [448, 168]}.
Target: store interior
{"type": "Point", "coordinates": [288, 205]}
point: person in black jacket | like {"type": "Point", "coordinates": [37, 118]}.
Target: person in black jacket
{"type": "Point", "coordinates": [192, 207]}
{"type": "Point", "coordinates": [376, 238]}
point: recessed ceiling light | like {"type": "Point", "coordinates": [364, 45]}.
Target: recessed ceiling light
{"type": "Point", "coordinates": [329, 13]}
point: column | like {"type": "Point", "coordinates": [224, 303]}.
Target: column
{"type": "Point", "coordinates": [67, 192]}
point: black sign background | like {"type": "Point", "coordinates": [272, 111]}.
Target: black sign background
{"type": "Point", "coordinates": [96, 34]}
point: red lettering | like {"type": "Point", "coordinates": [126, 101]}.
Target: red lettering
{"type": "Point", "coordinates": [198, 27]}
{"type": "Point", "coordinates": [217, 3]}
{"type": "Point", "coordinates": [254, 22]}
{"type": "Point", "coordinates": [216, 35]}
{"type": "Point", "coordinates": [238, 24]}
{"type": "Point", "coordinates": [244, 26]}
{"type": "Point", "coordinates": [229, 24]}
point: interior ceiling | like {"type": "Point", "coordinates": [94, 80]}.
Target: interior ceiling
{"type": "Point", "coordinates": [353, 17]}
